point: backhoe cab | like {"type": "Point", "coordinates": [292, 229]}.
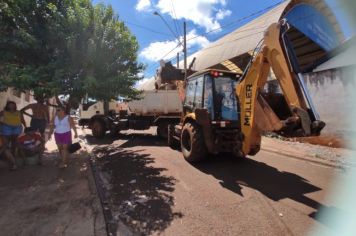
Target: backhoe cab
{"type": "Point", "coordinates": [228, 112]}
{"type": "Point", "coordinates": [210, 122]}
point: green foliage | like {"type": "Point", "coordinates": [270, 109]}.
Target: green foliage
{"type": "Point", "coordinates": [67, 47]}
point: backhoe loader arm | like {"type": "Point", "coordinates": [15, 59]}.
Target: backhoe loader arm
{"type": "Point", "coordinates": [256, 114]}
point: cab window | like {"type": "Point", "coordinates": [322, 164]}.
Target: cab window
{"type": "Point", "coordinates": [198, 101]}
{"type": "Point", "coordinates": [194, 93]}
{"type": "Point", "coordinates": [189, 94]}
{"type": "Point", "coordinates": [208, 95]}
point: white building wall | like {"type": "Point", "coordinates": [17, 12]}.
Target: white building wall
{"type": "Point", "coordinates": [21, 99]}
{"type": "Point", "coordinates": [331, 92]}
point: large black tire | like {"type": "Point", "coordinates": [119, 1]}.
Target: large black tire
{"type": "Point", "coordinates": [192, 143]}
{"type": "Point", "coordinates": [98, 129]}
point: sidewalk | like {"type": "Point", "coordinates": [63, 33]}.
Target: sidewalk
{"type": "Point", "coordinates": [46, 200]}
{"type": "Point", "coordinates": [333, 157]}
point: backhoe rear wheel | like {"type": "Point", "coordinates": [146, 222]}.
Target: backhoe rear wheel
{"type": "Point", "coordinates": [192, 143]}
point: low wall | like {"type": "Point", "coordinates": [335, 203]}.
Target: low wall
{"type": "Point", "coordinates": [331, 93]}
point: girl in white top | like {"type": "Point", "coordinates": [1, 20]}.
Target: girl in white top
{"type": "Point", "coordinates": [62, 124]}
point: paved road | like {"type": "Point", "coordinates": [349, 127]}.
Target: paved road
{"type": "Point", "coordinates": [154, 191]}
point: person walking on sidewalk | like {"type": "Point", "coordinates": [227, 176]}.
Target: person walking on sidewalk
{"type": "Point", "coordinates": [62, 124]}
{"type": "Point", "coordinates": [40, 115]}
{"type": "Point", "coordinates": [11, 122]}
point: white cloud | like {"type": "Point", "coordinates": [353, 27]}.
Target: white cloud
{"type": "Point", "coordinates": [223, 2]}
{"type": "Point", "coordinates": [143, 5]}
{"type": "Point", "coordinates": [146, 84]}
{"type": "Point", "coordinates": [222, 14]}
{"type": "Point", "coordinates": [156, 50]}
{"type": "Point", "coordinates": [204, 13]}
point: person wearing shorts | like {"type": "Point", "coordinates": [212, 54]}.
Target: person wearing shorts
{"type": "Point", "coordinates": [61, 125]}
{"type": "Point", "coordinates": [40, 115]}
{"type": "Point", "coordinates": [11, 122]}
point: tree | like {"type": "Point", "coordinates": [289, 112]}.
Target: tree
{"type": "Point", "coordinates": [31, 42]}
{"type": "Point", "coordinates": [112, 58]}
{"type": "Point", "coordinates": [67, 47]}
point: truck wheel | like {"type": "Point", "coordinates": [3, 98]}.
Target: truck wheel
{"type": "Point", "coordinates": [162, 130]}
{"type": "Point", "coordinates": [98, 129]}
{"type": "Point", "coordinates": [192, 143]}
{"type": "Point", "coordinates": [172, 142]}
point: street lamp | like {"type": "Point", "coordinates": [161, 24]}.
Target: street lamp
{"type": "Point", "coordinates": [184, 44]}
{"type": "Point", "coordinates": [165, 22]}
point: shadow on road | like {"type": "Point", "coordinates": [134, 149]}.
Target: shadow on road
{"type": "Point", "coordinates": [106, 140]}
{"type": "Point", "coordinates": [130, 140]}
{"type": "Point", "coordinates": [143, 140]}
{"type": "Point", "coordinates": [274, 184]}
{"type": "Point", "coordinates": [140, 195]}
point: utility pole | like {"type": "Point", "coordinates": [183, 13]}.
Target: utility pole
{"type": "Point", "coordinates": [185, 49]}
{"type": "Point", "coordinates": [177, 60]}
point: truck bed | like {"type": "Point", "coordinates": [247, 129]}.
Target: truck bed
{"type": "Point", "coordinates": [156, 102]}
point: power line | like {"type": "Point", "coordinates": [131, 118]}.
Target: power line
{"type": "Point", "coordinates": [165, 56]}
{"type": "Point", "coordinates": [227, 25]}
{"type": "Point", "coordinates": [213, 46]}
{"type": "Point", "coordinates": [240, 19]}
{"type": "Point", "coordinates": [146, 28]}
{"type": "Point", "coordinates": [175, 20]}
{"type": "Point", "coordinates": [166, 23]}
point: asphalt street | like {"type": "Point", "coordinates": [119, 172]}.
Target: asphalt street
{"type": "Point", "coordinates": [152, 190]}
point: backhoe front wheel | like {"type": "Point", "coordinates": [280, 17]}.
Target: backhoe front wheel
{"type": "Point", "coordinates": [192, 143]}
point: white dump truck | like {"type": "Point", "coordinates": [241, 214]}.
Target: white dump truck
{"type": "Point", "coordinates": [157, 107]}
{"type": "Point", "coordinates": [160, 105]}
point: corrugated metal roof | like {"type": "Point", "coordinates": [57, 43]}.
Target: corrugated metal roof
{"type": "Point", "coordinates": [245, 39]}
{"type": "Point", "coordinates": [240, 41]}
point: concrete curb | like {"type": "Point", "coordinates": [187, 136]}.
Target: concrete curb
{"type": "Point", "coordinates": [307, 158]}
{"type": "Point", "coordinates": [99, 221]}
{"type": "Point", "coordinates": [113, 227]}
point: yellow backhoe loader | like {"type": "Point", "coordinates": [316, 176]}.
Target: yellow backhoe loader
{"type": "Point", "coordinates": [228, 112]}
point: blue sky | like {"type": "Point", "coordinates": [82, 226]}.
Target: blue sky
{"type": "Point", "coordinates": [207, 20]}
